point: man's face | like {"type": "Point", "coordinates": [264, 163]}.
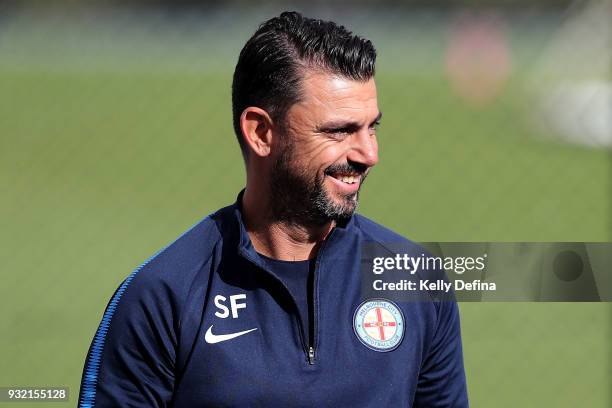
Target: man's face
{"type": "Point", "coordinates": [326, 149]}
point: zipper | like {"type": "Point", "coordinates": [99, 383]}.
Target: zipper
{"type": "Point", "coordinates": [306, 347]}
{"type": "Point", "coordinates": [308, 344]}
{"type": "Point", "coordinates": [311, 355]}
{"type": "Point", "coordinates": [315, 300]}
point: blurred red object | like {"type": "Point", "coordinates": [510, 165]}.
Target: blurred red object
{"type": "Point", "coordinates": [478, 60]}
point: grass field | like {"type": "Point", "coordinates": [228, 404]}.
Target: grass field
{"type": "Point", "coordinates": [99, 168]}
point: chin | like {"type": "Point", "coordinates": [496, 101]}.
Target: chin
{"type": "Point", "coordinates": [342, 206]}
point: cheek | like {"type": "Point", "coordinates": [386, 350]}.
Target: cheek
{"type": "Point", "coordinates": [319, 156]}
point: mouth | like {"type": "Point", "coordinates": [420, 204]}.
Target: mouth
{"type": "Point", "coordinates": [347, 181]}
{"type": "Point", "coordinates": [347, 178]}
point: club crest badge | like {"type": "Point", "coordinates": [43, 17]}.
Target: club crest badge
{"type": "Point", "coordinates": [379, 324]}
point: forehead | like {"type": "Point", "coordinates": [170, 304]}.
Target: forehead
{"type": "Point", "coordinates": [327, 97]}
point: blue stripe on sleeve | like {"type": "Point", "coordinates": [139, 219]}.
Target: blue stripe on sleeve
{"type": "Point", "coordinates": [90, 377]}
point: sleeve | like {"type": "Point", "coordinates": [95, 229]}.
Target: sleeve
{"type": "Point", "coordinates": [442, 382]}
{"type": "Point", "coordinates": [131, 359]}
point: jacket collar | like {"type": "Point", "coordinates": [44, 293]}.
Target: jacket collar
{"type": "Point", "coordinates": [247, 250]}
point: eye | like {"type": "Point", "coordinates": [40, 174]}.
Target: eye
{"type": "Point", "coordinates": [374, 126]}
{"type": "Point", "coordinates": [339, 133]}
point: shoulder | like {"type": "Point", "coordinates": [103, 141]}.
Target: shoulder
{"type": "Point", "coordinates": [375, 232]}
{"type": "Point", "coordinates": [382, 242]}
{"type": "Point", "coordinates": [168, 275]}
{"type": "Point", "coordinates": [187, 253]}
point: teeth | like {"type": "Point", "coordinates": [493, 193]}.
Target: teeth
{"type": "Point", "coordinates": [349, 179]}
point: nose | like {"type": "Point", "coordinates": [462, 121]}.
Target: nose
{"type": "Point", "coordinates": [364, 148]}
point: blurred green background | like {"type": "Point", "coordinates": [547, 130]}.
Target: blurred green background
{"type": "Point", "coordinates": [115, 137]}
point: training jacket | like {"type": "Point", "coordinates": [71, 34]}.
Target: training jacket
{"type": "Point", "coordinates": [204, 323]}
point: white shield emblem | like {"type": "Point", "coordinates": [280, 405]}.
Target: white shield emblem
{"type": "Point", "coordinates": [379, 324]}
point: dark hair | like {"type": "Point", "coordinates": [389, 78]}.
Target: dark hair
{"type": "Point", "coordinates": [273, 60]}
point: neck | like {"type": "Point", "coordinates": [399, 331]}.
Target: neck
{"type": "Point", "coordinates": [280, 239]}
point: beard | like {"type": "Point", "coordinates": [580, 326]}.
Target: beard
{"type": "Point", "coordinates": [300, 198]}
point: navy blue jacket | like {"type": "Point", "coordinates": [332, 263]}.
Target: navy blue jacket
{"type": "Point", "coordinates": [203, 323]}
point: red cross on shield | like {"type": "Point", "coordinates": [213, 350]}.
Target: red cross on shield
{"type": "Point", "coordinates": [379, 324]}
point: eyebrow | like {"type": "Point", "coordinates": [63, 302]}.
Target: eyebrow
{"type": "Point", "coordinates": [332, 127]}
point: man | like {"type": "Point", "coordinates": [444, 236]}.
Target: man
{"type": "Point", "coordinates": [260, 304]}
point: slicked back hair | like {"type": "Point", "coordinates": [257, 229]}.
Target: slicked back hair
{"type": "Point", "coordinates": [275, 58]}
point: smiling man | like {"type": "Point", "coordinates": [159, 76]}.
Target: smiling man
{"type": "Point", "coordinates": [261, 303]}
{"type": "Point", "coordinates": [305, 168]}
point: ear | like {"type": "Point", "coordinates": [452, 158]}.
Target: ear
{"type": "Point", "coordinates": [256, 126]}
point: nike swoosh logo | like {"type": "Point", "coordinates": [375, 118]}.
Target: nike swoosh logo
{"type": "Point", "coordinates": [218, 338]}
